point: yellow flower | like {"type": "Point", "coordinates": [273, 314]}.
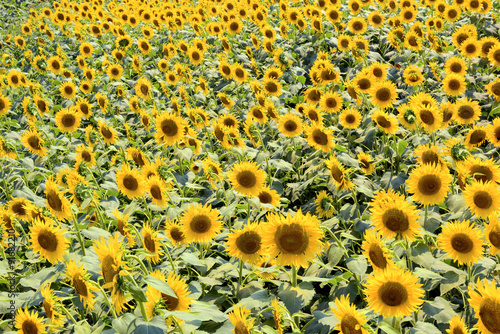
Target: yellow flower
{"type": "Point", "coordinates": [130, 182]}
{"type": "Point", "coordinates": [32, 140]}
{"type": "Point", "coordinates": [58, 205]}
{"type": "Point", "coordinates": [152, 244]}
{"type": "Point", "coordinates": [247, 179]}
{"type": "Point", "coordinates": [482, 198]}
{"type": "Point", "coordinates": [78, 276]}
{"type": "Point", "coordinates": [48, 241]}
{"type": "Point", "coordinates": [383, 94]}
{"type": "Point", "coordinates": [429, 184]}
{"type": "Point", "coordinates": [68, 119]}
{"type": "Point", "coordinates": [239, 317]}
{"type": "Point", "coordinates": [246, 244]}
{"type": "Point", "coordinates": [394, 292]}
{"type": "Point", "coordinates": [200, 223]}
{"type": "Point", "coordinates": [462, 242]}
{"type": "Point", "coordinates": [485, 301]}
{"type": "Point", "coordinates": [169, 128]}
{"type": "Point", "coordinates": [28, 322]}
{"type": "Point", "coordinates": [350, 319]}
{"type": "Point", "coordinates": [387, 122]}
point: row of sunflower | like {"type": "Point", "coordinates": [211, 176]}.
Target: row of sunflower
{"type": "Point", "coordinates": [251, 166]}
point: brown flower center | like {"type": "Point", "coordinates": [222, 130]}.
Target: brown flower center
{"type": "Point", "coordinates": [169, 128]}
{"type": "Point", "coordinates": [337, 174]}
{"type": "Point", "coordinates": [172, 302]}
{"type": "Point", "coordinates": [86, 156]}
{"type": "Point", "coordinates": [149, 243]}
{"type": "Point", "coordinates": [393, 294]}
{"type": "Point", "coordinates": [176, 234]}
{"type": "Point", "coordinates": [156, 192]}
{"type": "Point", "coordinates": [430, 157]}
{"type": "Point", "coordinates": [482, 199]}
{"type": "Point", "coordinates": [350, 119]}
{"type": "Point", "coordinates": [477, 136]}
{"type": "Point", "coordinates": [108, 272]}
{"type": "Point", "coordinates": [34, 142]}
{"type": "Point", "coordinates": [291, 238]}
{"type": "Point", "coordinates": [494, 237]}
{"type": "Point", "coordinates": [427, 117]}
{"type": "Point", "coordinates": [429, 185]}
{"type": "Point", "coordinates": [54, 201]}
{"type": "Point", "coordinates": [47, 240]}
{"type": "Point", "coordinates": [80, 286]}
{"type": "Point", "coordinates": [350, 325]}
{"type": "Point", "coordinates": [48, 309]}
{"type": "Point", "coordinates": [68, 120]}
{"type": "Point", "coordinates": [377, 257]}
{"type": "Point", "coordinates": [462, 243]}
{"type": "Point", "coordinates": [396, 220]}
{"type": "Point", "coordinates": [200, 224]}
{"type": "Point", "coordinates": [249, 242]}
{"type": "Point", "coordinates": [271, 87]}
{"type": "Point", "coordinates": [144, 89]}
{"type": "Point", "coordinates": [383, 122]}
{"type": "Point", "coordinates": [481, 173]}
{"type": "Point", "coordinates": [246, 179]}
{"type": "Point", "coordinates": [364, 84]}
{"type": "Point", "coordinates": [489, 313]}
{"type": "Point", "coordinates": [291, 126]}
{"type": "Point", "coordinates": [465, 112]}
{"type": "Point", "coordinates": [319, 137]}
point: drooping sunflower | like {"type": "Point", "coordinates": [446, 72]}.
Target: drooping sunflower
{"type": "Point", "coordinates": [246, 244]}
{"type": "Point", "coordinates": [292, 240]}
{"type": "Point", "coordinates": [156, 188]}
{"type": "Point", "coordinates": [169, 128]}
{"type": "Point", "coordinates": [80, 281]}
{"type": "Point", "coordinates": [4, 104]}
{"type": "Point", "coordinates": [50, 301]}
{"type": "Point", "coordinates": [376, 252]}
{"type": "Point", "coordinates": [240, 319]}
{"type": "Point", "coordinates": [48, 240]}
{"type": "Point", "coordinates": [485, 301]}
{"type": "Point", "coordinates": [173, 231]}
{"type": "Point", "coordinates": [32, 140]}
{"type": "Point", "coordinates": [247, 179]}
{"type": "Point", "coordinates": [130, 182]}
{"type": "Point", "coordinates": [462, 242]}
{"type": "Point", "coordinates": [159, 300]}
{"type": "Point", "coordinates": [143, 88]}
{"type": "Point", "coordinates": [492, 234]}
{"type": "Point", "coordinates": [339, 175]}
{"type": "Point", "coordinates": [324, 205]}
{"type": "Point", "coordinates": [350, 319]}
{"type": "Point", "coordinates": [365, 163]}
{"type": "Point", "coordinates": [29, 323]}
{"type": "Point", "coordinates": [394, 216]}
{"type": "Point", "coordinates": [493, 132]}
{"type": "Point", "coordinates": [269, 197]}
{"type": "Point", "coordinates": [152, 244]}
{"type": "Point", "coordinates": [394, 292]}
{"type": "Point", "coordinates": [200, 223]}
{"type": "Point", "coordinates": [110, 255]}
{"type": "Point", "coordinates": [350, 118]}
{"type": "Point", "coordinates": [58, 205]}
{"type": "Point", "coordinates": [482, 198]}
{"type": "Point", "coordinates": [387, 122]}
{"type": "Point", "coordinates": [68, 119]}
{"type": "Point", "coordinates": [320, 138]}
{"type": "Point", "coordinates": [429, 184]}
{"type": "Point", "coordinates": [454, 85]}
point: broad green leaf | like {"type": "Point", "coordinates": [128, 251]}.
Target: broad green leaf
{"type": "Point", "coordinates": [160, 285]}
{"type": "Point", "coordinates": [357, 265]}
{"type": "Point", "coordinates": [296, 298]}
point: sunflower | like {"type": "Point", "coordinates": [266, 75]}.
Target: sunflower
{"type": "Point", "coordinates": [290, 125]}
{"type": "Point", "coordinates": [159, 300]}
{"type": "Point", "coordinates": [454, 85]}
{"type": "Point", "coordinates": [48, 241]}
{"type": "Point", "coordinates": [357, 25]}
{"type": "Point", "coordinates": [225, 69]}
{"type": "Point", "coordinates": [344, 42]}
{"type": "Point", "coordinates": [14, 78]}
{"type": "Point", "coordinates": [324, 205]}
{"type": "Point", "coordinates": [195, 55]}
{"type": "Point", "coordinates": [375, 252]}
{"type": "Point", "coordinates": [130, 182]}
{"type": "Point", "coordinates": [79, 279]}
{"type": "Point", "coordinates": [394, 292]}
{"type": "Point", "coordinates": [350, 118]}
{"type": "Point", "coordinates": [50, 301]}
{"type": "Point", "coordinates": [200, 223]}
{"type": "Point", "coordinates": [482, 198]}
{"type": "Point", "coordinates": [58, 205]}
{"type": "Point", "coordinates": [143, 88]}
{"type": "Point", "coordinates": [485, 301]}
{"type": "Point", "coordinates": [110, 256]}
{"type": "Point", "coordinates": [476, 136]}
{"type": "Point", "coordinates": [68, 90]}
{"type": "Point", "coordinates": [108, 133]}
{"type": "Point", "coordinates": [350, 320]}
{"type": "Point", "coordinates": [29, 323]}
{"type": "Point", "coordinates": [493, 88]}
{"type": "Point", "coordinates": [293, 240]}
{"type": "Point", "coordinates": [339, 174]}
{"type": "Point", "coordinates": [269, 197]}
{"type": "Point", "coordinates": [114, 72]}
{"type": "Point", "coordinates": [226, 101]}
{"type": "Point", "coordinates": [240, 319]}
{"type": "Point", "coordinates": [173, 231]}
{"type": "Point", "coordinates": [457, 326]}
{"type": "Point", "coordinates": [4, 104]}
{"type": "Point", "coordinates": [271, 87]}
{"type": "Point", "coordinates": [169, 128]}
{"type": "Point", "coordinates": [470, 48]}
{"type": "Point", "coordinates": [84, 154]}
{"type": "Point", "coordinates": [493, 132]}
{"type": "Point", "coordinates": [320, 138]}
{"type": "Point", "coordinates": [157, 188]}
{"type": "Point", "coordinates": [86, 49]}
{"type": "Point", "coordinates": [383, 94]}
{"type": "Point", "coordinates": [123, 226]}
{"type": "Point", "coordinates": [481, 170]}
{"type": "Point", "coordinates": [68, 119]}
{"type": "Point", "coordinates": [462, 242]}
{"type": "Point", "coordinates": [492, 233]}
{"type": "Point", "coordinates": [85, 86]}
{"type": "Point", "coordinates": [247, 179]}
{"type": "Point", "coordinates": [395, 217]}
{"type": "Point", "coordinates": [429, 184]}
{"type": "Point", "coordinates": [32, 140]}
{"type": "Point", "coordinates": [331, 102]}
{"type": "Point", "coordinates": [152, 244]}
{"type": "Point", "coordinates": [467, 111]}
{"type": "Point", "coordinates": [494, 55]}
{"type": "Point", "coordinates": [246, 244]}
{"type": "Point", "coordinates": [429, 154]}
{"type": "Point", "coordinates": [387, 122]}
{"type": "Point", "coordinates": [312, 96]}
{"type": "Point", "coordinates": [365, 163]}
{"type": "Point", "coordinates": [428, 116]}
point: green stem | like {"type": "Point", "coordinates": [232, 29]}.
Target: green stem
{"type": "Point", "coordinates": [150, 217]}
{"type": "Point", "coordinates": [177, 324]}
{"type": "Point", "coordinates": [106, 299]}
{"type": "Point", "coordinates": [294, 276]}
{"type": "Point", "coordinates": [69, 315]}
{"type": "Point", "coordinates": [79, 236]}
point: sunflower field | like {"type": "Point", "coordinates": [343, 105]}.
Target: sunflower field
{"type": "Point", "coordinates": [250, 166]}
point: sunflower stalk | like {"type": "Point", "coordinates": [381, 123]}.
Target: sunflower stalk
{"type": "Point", "coordinates": [141, 304]}
{"type": "Point", "coordinates": [79, 236]}
{"type": "Point", "coordinates": [148, 213]}
{"type": "Point", "coordinates": [177, 324]}
{"type": "Point", "coordinates": [65, 310]}
{"type": "Point", "coordinates": [106, 299]}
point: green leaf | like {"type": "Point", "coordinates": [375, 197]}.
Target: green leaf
{"type": "Point", "coordinates": [427, 274]}
{"type": "Point", "coordinates": [421, 255]}
{"type": "Point", "coordinates": [334, 255]}
{"type": "Point", "coordinates": [257, 300]}
{"type": "Point", "coordinates": [302, 79]}
{"type": "Point", "coordinates": [357, 265]}
{"type": "Point", "coordinates": [296, 298]}
{"type": "Point", "coordinates": [451, 280]}
{"type": "Point", "coordinates": [426, 328]}
{"type": "Point", "coordinates": [137, 293]}
{"type": "Point", "coordinates": [495, 109]}
{"type": "Point", "coordinates": [439, 309]}
{"type": "Point", "coordinates": [401, 147]}
{"type": "Point", "coordinates": [160, 285]}
{"type": "Point", "coordinates": [386, 328]}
